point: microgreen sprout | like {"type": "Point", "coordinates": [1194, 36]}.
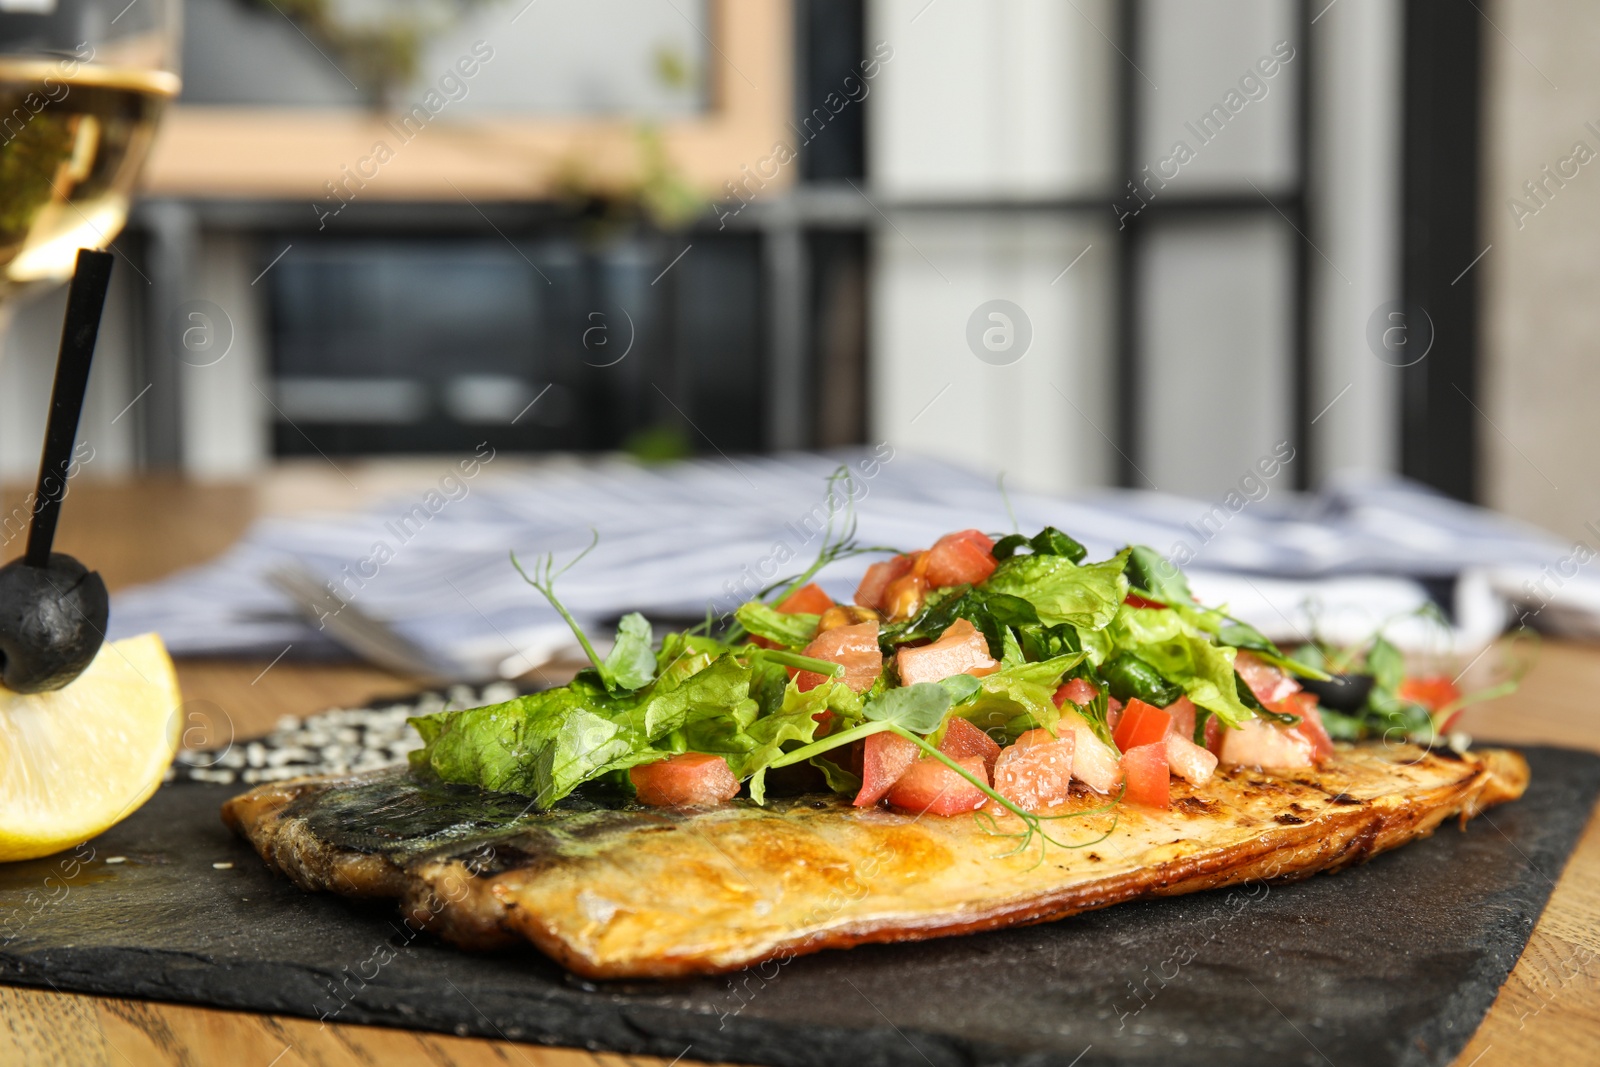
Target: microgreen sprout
{"type": "Point", "coordinates": [833, 548]}
{"type": "Point", "coordinates": [1000, 483]}
{"type": "Point", "coordinates": [544, 578]}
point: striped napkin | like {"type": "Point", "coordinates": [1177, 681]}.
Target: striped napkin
{"type": "Point", "coordinates": [674, 539]}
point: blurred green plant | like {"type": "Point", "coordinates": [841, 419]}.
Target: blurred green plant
{"type": "Point", "coordinates": [659, 194]}
{"type": "Point", "coordinates": [661, 443]}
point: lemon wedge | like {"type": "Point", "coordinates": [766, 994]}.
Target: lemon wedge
{"type": "Point", "coordinates": [80, 759]}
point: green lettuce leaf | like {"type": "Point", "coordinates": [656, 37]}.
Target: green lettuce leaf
{"type": "Point", "coordinates": [1019, 697]}
{"type": "Point", "coordinates": [1060, 591]}
{"type": "Point", "coordinates": [545, 744]}
{"type": "Point", "coordinates": [789, 630]}
{"type": "Point", "coordinates": [497, 746]}
{"type": "Point", "coordinates": [632, 663]}
{"type": "Point", "coordinates": [1185, 657]}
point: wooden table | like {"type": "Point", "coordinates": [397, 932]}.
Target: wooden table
{"type": "Point", "coordinates": [1547, 1012]}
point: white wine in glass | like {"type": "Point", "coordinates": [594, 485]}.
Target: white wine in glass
{"type": "Point", "coordinates": [82, 87]}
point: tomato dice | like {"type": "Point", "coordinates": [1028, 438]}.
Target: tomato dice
{"type": "Point", "coordinates": [854, 647]}
{"type": "Point", "coordinates": [1432, 693]}
{"type": "Point", "coordinates": [1145, 768]}
{"type": "Point", "coordinates": [884, 758]}
{"type": "Point", "coordinates": [1113, 715]}
{"type": "Point", "coordinates": [808, 599]}
{"type": "Point", "coordinates": [961, 649]}
{"type": "Point", "coordinates": [1267, 682]}
{"type": "Point", "coordinates": [869, 594]}
{"type": "Point", "coordinates": [680, 781]}
{"type": "Point", "coordinates": [1183, 714]}
{"type": "Point", "coordinates": [1079, 691]}
{"type": "Point", "coordinates": [964, 558]}
{"type": "Point", "coordinates": [1134, 600]}
{"type": "Point", "coordinates": [962, 739]}
{"type": "Point", "coordinates": [1036, 772]}
{"type": "Point", "coordinates": [930, 786]}
{"type": "Point", "coordinates": [1141, 724]}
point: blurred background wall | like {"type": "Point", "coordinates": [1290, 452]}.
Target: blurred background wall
{"type": "Point", "coordinates": [1218, 228]}
{"type": "Point", "coordinates": [1542, 276]}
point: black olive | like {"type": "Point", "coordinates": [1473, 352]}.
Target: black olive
{"type": "Point", "coordinates": [52, 622]}
{"type": "Point", "coordinates": [1344, 692]}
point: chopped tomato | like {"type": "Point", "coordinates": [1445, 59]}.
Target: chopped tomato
{"type": "Point", "coordinates": [1267, 682]}
{"type": "Point", "coordinates": [1134, 600]}
{"type": "Point", "coordinates": [884, 758]}
{"type": "Point", "coordinates": [1141, 724]}
{"type": "Point", "coordinates": [1113, 714]}
{"type": "Point", "coordinates": [1036, 772]}
{"type": "Point", "coordinates": [930, 786]}
{"type": "Point", "coordinates": [962, 739]}
{"type": "Point", "coordinates": [1258, 743]}
{"type": "Point", "coordinates": [1183, 714]}
{"type": "Point", "coordinates": [869, 594]}
{"type": "Point", "coordinates": [1094, 763]}
{"type": "Point", "coordinates": [855, 647]}
{"type": "Point", "coordinates": [964, 558]}
{"type": "Point", "coordinates": [961, 649]}
{"type": "Point", "coordinates": [1145, 768]}
{"type": "Point", "coordinates": [1079, 691]}
{"type": "Point", "coordinates": [1214, 732]}
{"type": "Point", "coordinates": [1432, 692]}
{"type": "Point", "coordinates": [807, 600]}
{"type": "Point", "coordinates": [683, 780]}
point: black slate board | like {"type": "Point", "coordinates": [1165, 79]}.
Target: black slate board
{"type": "Point", "coordinates": [1394, 962]}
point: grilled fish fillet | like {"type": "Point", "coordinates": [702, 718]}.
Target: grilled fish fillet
{"type": "Point", "coordinates": [636, 892]}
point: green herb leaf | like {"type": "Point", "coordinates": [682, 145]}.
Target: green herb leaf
{"type": "Point", "coordinates": [1047, 542]}
{"type": "Point", "coordinates": [1128, 677]}
{"type": "Point", "coordinates": [1153, 573]}
{"type": "Point", "coordinates": [1007, 546]}
{"type": "Point", "coordinates": [1047, 642]}
{"type": "Point", "coordinates": [1387, 665]}
{"type": "Point", "coordinates": [1243, 635]}
{"type": "Point", "coordinates": [632, 662]}
{"type": "Point", "coordinates": [1052, 542]}
{"type": "Point", "coordinates": [839, 780]}
{"type": "Point", "coordinates": [990, 612]}
{"type": "Point", "coordinates": [961, 687]}
{"type": "Point", "coordinates": [790, 630]}
{"type": "Point", "coordinates": [918, 708]}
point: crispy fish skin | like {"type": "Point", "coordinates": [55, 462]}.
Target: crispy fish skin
{"type": "Point", "coordinates": [635, 892]}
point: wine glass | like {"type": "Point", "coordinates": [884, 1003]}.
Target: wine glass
{"type": "Point", "coordinates": [82, 85]}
